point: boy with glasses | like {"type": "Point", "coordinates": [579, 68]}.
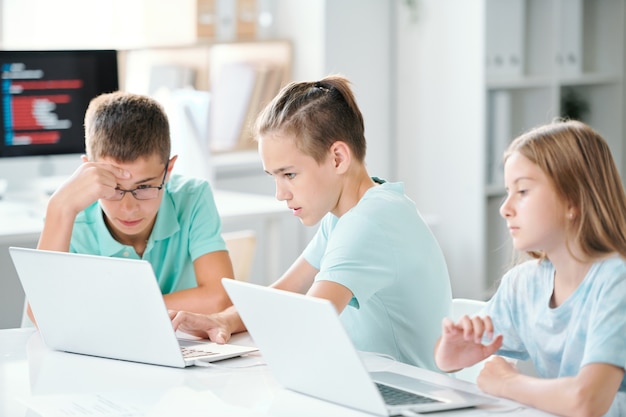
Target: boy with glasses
{"type": "Point", "coordinates": [123, 201]}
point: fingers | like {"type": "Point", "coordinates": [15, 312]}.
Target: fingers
{"type": "Point", "coordinates": [494, 373]}
{"type": "Point", "coordinates": [98, 179]}
{"type": "Point", "coordinates": [108, 174]}
{"type": "Point", "coordinates": [496, 361]}
{"type": "Point", "coordinates": [176, 317]}
{"type": "Point", "coordinates": [475, 328]}
{"type": "Point", "coordinates": [118, 172]}
{"type": "Point", "coordinates": [219, 336]}
{"type": "Point", "coordinates": [447, 325]}
{"type": "Point", "coordinates": [493, 347]}
{"type": "Point", "coordinates": [200, 325]}
{"type": "Point", "coordinates": [90, 173]}
{"type": "Point", "coordinates": [463, 343]}
{"type": "Point", "coordinates": [472, 330]}
{"type": "Point", "coordinates": [185, 321]}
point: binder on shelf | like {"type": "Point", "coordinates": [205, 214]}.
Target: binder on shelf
{"type": "Point", "coordinates": [206, 19]}
{"type": "Point", "coordinates": [230, 100]}
{"type": "Point", "coordinates": [242, 90]}
{"type": "Point", "coordinates": [226, 20]}
{"type": "Point", "coordinates": [499, 134]}
{"type": "Point", "coordinates": [188, 112]}
{"type": "Point", "coordinates": [268, 82]}
{"type": "Point", "coordinates": [505, 38]}
{"type": "Point", "coordinates": [569, 54]}
{"type": "Point", "coordinates": [246, 19]}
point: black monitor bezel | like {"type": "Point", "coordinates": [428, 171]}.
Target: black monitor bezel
{"type": "Point", "coordinates": [105, 79]}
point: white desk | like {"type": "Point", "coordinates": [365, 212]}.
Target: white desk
{"type": "Point", "coordinates": [32, 376]}
{"type": "Point", "coordinates": [280, 239]}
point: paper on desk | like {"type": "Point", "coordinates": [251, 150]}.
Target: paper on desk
{"type": "Point", "coordinates": [178, 401]}
{"type": "Point", "coordinates": [190, 403]}
{"type": "Point", "coordinates": [94, 405]}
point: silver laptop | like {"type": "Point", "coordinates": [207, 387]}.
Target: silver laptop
{"type": "Point", "coordinates": [106, 307]}
{"type": "Point", "coordinates": [308, 351]}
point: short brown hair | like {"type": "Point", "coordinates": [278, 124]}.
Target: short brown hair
{"type": "Point", "coordinates": [126, 127]}
{"type": "Point", "coordinates": [317, 114]}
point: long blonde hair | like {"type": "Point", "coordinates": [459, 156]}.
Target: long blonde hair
{"type": "Point", "coordinates": [578, 161]}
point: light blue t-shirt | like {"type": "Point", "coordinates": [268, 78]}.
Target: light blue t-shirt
{"type": "Point", "coordinates": [589, 327]}
{"type": "Point", "coordinates": [383, 251]}
{"type": "Point", "coordinates": [187, 226]}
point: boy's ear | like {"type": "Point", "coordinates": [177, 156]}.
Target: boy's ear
{"type": "Point", "coordinates": [171, 164]}
{"type": "Point", "coordinates": [341, 155]}
{"type": "Point", "coordinates": [84, 158]}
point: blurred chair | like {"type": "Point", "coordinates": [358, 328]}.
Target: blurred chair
{"type": "Point", "coordinates": [241, 247]}
{"type": "Point", "coordinates": [462, 306]}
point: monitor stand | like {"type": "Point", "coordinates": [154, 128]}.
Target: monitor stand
{"type": "Point", "coordinates": [4, 184]}
{"type": "Point", "coordinates": [33, 178]}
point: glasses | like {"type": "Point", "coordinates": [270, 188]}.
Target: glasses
{"type": "Point", "coordinates": [143, 192]}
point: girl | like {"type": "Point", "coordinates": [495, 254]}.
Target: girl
{"type": "Point", "coordinates": [373, 256]}
{"type": "Point", "coordinates": [565, 309]}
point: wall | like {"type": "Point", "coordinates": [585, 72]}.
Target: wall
{"type": "Point", "coordinates": [96, 24]}
{"type": "Point", "coordinates": [439, 118]}
{"type": "Point", "coordinates": [354, 38]}
{"type": "Point", "coordinates": [321, 31]}
{"type": "Point", "coordinates": [415, 75]}
{"type": "Point", "coordinates": [41, 24]}
{"type": "Point", "coordinates": [414, 80]}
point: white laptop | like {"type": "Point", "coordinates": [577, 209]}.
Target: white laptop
{"type": "Point", "coordinates": [107, 307]}
{"type": "Point", "coordinates": [308, 350]}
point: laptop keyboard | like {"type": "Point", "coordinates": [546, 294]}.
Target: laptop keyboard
{"type": "Point", "coordinates": [195, 353]}
{"type": "Point", "coordinates": [395, 396]}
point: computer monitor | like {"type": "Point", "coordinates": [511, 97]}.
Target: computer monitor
{"type": "Point", "coordinates": [44, 95]}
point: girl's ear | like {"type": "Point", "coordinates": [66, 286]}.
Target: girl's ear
{"type": "Point", "coordinates": [342, 157]}
{"type": "Point", "coordinates": [84, 158]}
{"type": "Point", "coordinates": [572, 212]}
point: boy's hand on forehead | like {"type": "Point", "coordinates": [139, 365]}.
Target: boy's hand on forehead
{"type": "Point", "coordinates": [118, 172]}
{"type": "Point", "coordinates": [90, 182]}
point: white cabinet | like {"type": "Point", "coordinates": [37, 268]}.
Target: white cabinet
{"type": "Point", "coordinates": [474, 74]}
{"type": "Point", "coordinates": [572, 66]}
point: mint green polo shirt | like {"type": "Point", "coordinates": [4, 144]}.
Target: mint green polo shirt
{"type": "Point", "coordinates": [187, 226]}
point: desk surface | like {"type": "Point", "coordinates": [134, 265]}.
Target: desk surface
{"type": "Point", "coordinates": [35, 381]}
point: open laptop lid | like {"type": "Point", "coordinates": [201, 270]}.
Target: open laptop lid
{"type": "Point", "coordinates": [309, 351]}
{"type": "Point", "coordinates": [305, 345]}
{"type": "Point", "coordinates": [100, 306]}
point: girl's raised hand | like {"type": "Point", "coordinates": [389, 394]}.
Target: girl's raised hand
{"type": "Point", "coordinates": [461, 344]}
